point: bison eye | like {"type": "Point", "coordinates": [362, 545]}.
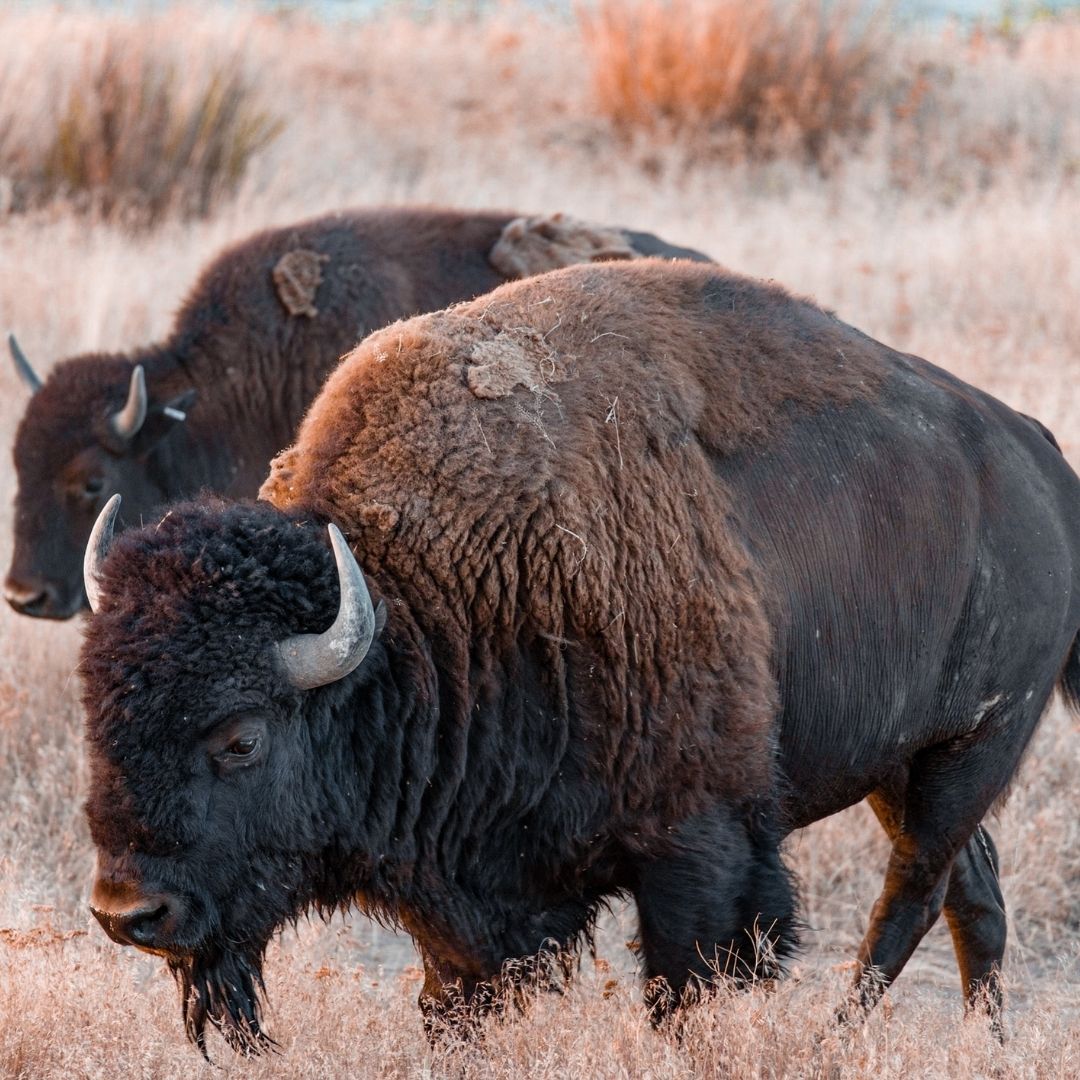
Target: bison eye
{"type": "Point", "coordinates": [93, 486]}
{"type": "Point", "coordinates": [243, 746]}
{"type": "Point", "coordinates": [239, 751]}
{"type": "Point", "coordinates": [237, 744]}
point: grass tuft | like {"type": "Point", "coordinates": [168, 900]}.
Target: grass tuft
{"type": "Point", "coordinates": [136, 137]}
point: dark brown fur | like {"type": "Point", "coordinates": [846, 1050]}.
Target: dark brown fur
{"type": "Point", "coordinates": [399, 427]}
{"type": "Point", "coordinates": [249, 349]}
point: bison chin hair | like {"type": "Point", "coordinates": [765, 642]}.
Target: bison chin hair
{"type": "Point", "coordinates": [224, 989]}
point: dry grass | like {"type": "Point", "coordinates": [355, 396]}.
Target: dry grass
{"type": "Point", "coordinates": [952, 233]}
{"type": "Point", "coordinates": [775, 73]}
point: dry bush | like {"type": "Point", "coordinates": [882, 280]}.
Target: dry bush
{"type": "Point", "coordinates": [136, 134]}
{"type": "Point", "coordinates": [775, 72]}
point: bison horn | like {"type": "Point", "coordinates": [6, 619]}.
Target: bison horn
{"type": "Point", "coordinates": [129, 420]}
{"type": "Point", "coordinates": [97, 547]}
{"type": "Point", "coordinates": [22, 365]}
{"type": "Point", "coordinates": [312, 660]}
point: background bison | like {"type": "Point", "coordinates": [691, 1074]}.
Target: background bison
{"type": "Point", "coordinates": [670, 563]}
{"type": "Point", "coordinates": [207, 408]}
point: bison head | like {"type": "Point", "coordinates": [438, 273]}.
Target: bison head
{"type": "Point", "coordinates": [221, 789]}
{"type": "Point", "coordinates": [89, 431]}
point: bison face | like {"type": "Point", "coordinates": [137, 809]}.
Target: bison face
{"type": "Point", "coordinates": [88, 432]}
{"type": "Point", "coordinates": [202, 855]}
{"type": "Point", "coordinates": [220, 784]}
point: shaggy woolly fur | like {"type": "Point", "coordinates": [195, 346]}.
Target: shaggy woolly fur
{"type": "Point", "coordinates": [599, 673]}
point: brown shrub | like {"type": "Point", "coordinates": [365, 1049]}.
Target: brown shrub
{"type": "Point", "coordinates": [775, 72]}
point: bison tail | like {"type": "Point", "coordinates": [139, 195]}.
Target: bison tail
{"type": "Point", "coordinates": [1069, 682]}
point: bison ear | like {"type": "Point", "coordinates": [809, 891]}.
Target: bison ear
{"type": "Point", "coordinates": [161, 419]}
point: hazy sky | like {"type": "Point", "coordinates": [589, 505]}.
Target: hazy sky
{"type": "Point", "coordinates": [904, 8]}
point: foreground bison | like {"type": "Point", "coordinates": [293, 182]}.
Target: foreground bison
{"type": "Point", "coordinates": [206, 409]}
{"type": "Point", "coordinates": [661, 563]}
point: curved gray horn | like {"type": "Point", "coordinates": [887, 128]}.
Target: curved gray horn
{"type": "Point", "coordinates": [97, 548]}
{"type": "Point", "coordinates": [22, 365]}
{"type": "Point", "coordinates": [127, 422]}
{"type": "Point", "coordinates": [312, 660]}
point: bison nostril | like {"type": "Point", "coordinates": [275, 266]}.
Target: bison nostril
{"type": "Point", "coordinates": [149, 925]}
{"type": "Point", "coordinates": [23, 600]}
{"type": "Point", "coordinates": [143, 927]}
{"type": "Point", "coordinates": [42, 599]}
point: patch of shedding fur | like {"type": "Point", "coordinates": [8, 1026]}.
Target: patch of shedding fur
{"type": "Point", "coordinates": [297, 277]}
{"type": "Point", "coordinates": [534, 245]}
{"type": "Point", "coordinates": [984, 708]}
{"type": "Point", "coordinates": [503, 364]}
{"type": "Point", "coordinates": [381, 515]}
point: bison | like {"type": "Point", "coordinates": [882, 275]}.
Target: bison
{"type": "Point", "coordinates": [207, 408]}
{"type": "Point", "coordinates": [647, 565]}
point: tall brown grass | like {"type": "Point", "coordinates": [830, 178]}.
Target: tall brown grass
{"type": "Point", "coordinates": [776, 73]}
{"type": "Point", "coordinates": [952, 232]}
{"type": "Point", "coordinates": [133, 135]}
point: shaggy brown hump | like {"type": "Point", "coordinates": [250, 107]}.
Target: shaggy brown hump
{"type": "Point", "coordinates": [545, 456]}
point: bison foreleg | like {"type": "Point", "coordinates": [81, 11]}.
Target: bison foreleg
{"type": "Point", "coordinates": [519, 953]}
{"type": "Point", "coordinates": [717, 905]}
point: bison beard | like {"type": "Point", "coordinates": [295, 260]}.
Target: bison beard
{"type": "Point", "coordinates": [221, 980]}
{"type": "Point", "coordinates": [223, 988]}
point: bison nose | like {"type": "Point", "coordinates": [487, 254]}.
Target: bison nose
{"type": "Point", "coordinates": [131, 916]}
{"type": "Point", "coordinates": [24, 597]}
{"type": "Point", "coordinates": [140, 927]}
{"type": "Point", "coordinates": [36, 597]}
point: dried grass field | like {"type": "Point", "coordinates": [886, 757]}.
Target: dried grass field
{"type": "Point", "coordinates": [924, 184]}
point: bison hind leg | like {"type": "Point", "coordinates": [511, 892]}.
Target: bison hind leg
{"type": "Point", "coordinates": [942, 859]}
{"type": "Point", "coordinates": [718, 906]}
{"type": "Point", "coordinates": [975, 911]}
{"type": "Point", "coordinates": [974, 908]}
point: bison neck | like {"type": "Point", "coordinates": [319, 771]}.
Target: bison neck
{"type": "Point", "coordinates": [224, 441]}
{"type": "Point", "coordinates": [475, 824]}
